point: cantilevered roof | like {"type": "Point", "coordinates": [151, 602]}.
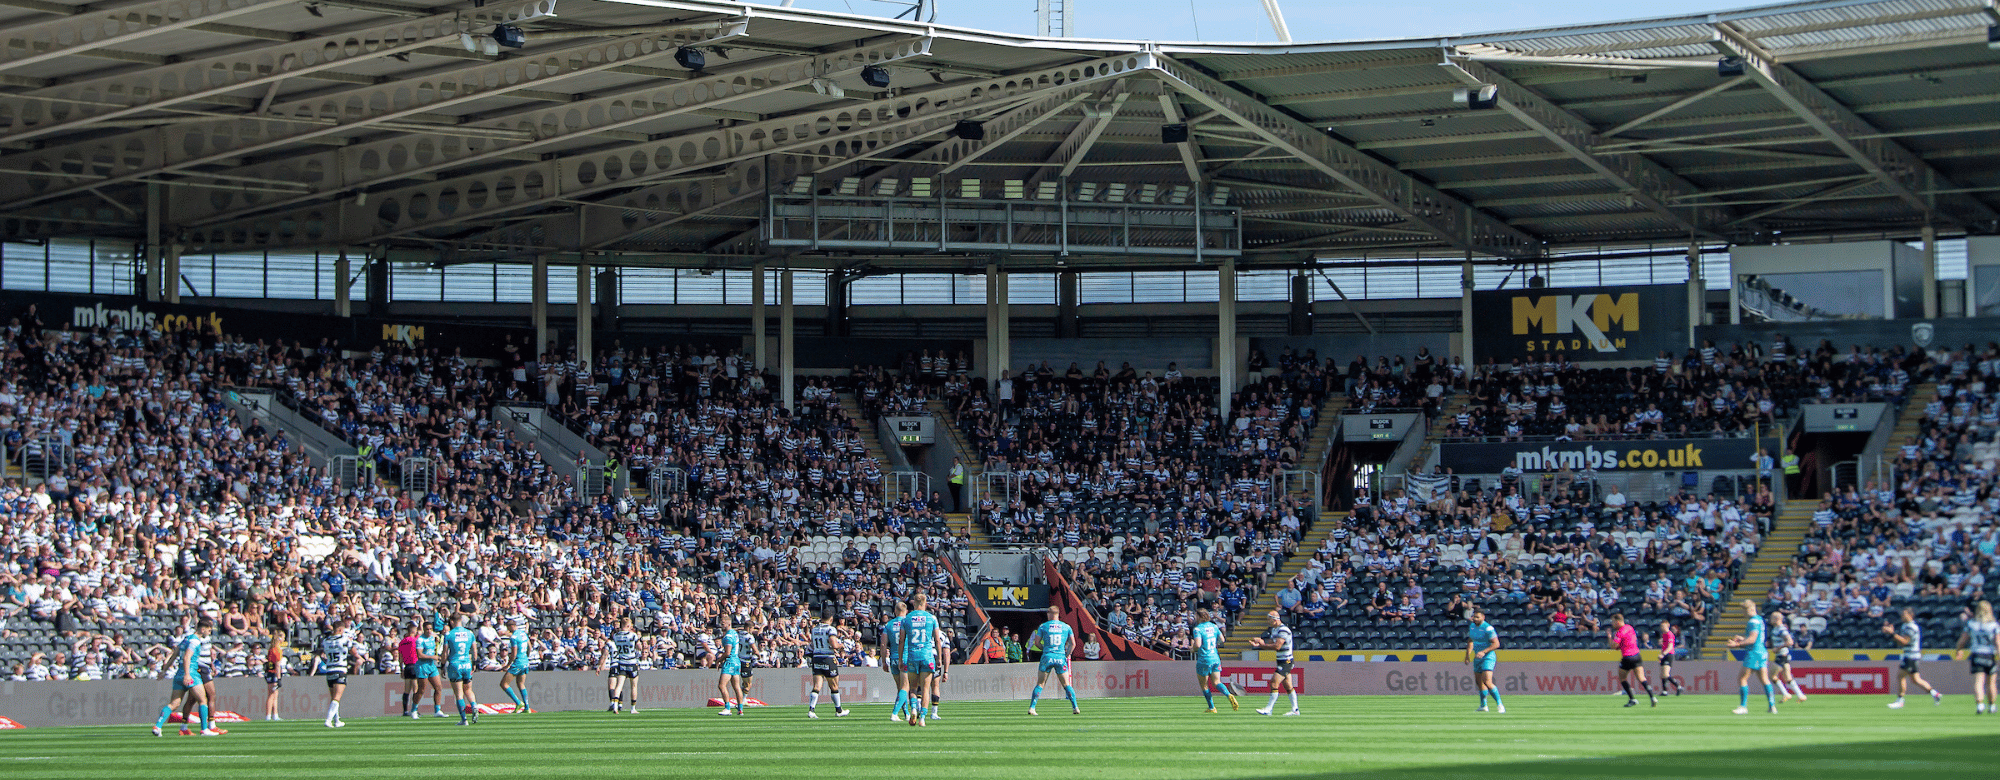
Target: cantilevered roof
{"type": "Point", "coordinates": [228, 125]}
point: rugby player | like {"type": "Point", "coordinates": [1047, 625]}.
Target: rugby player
{"type": "Point", "coordinates": [429, 653]}
{"type": "Point", "coordinates": [1626, 639]}
{"type": "Point", "coordinates": [1057, 642]}
{"type": "Point", "coordinates": [1279, 639]}
{"type": "Point", "coordinates": [730, 682]}
{"type": "Point", "coordinates": [1781, 658]}
{"type": "Point", "coordinates": [621, 664]}
{"type": "Point", "coordinates": [1482, 650]}
{"type": "Point", "coordinates": [514, 681]}
{"type": "Point", "coordinates": [1670, 643]}
{"type": "Point", "coordinates": [825, 665]}
{"type": "Point", "coordinates": [1208, 660]}
{"type": "Point", "coordinates": [460, 644]}
{"type": "Point", "coordinates": [337, 651]}
{"type": "Point", "coordinates": [1755, 659]}
{"type": "Point", "coordinates": [1981, 635]}
{"type": "Point", "coordinates": [891, 642]}
{"type": "Point", "coordinates": [189, 695]}
{"type": "Point", "coordinates": [921, 638]}
{"type": "Point", "coordinates": [1911, 637]}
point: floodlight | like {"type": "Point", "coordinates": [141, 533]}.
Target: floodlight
{"type": "Point", "coordinates": [970, 130]}
{"type": "Point", "coordinates": [1174, 134]}
{"type": "Point", "coordinates": [875, 76]}
{"type": "Point", "coordinates": [1480, 97]}
{"type": "Point", "coordinates": [509, 36]}
{"type": "Point", "coordinates": [1047, 190]}
{"type": "Point", "coordinates": [690, 58]}
{"type": "Point", "coordinates": [802, 185]}
{"type": "Point", "coordinates": [886, 188]}
{"type": "Point", "coordinates": [850, 186]}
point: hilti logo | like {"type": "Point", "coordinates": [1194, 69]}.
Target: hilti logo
{"type": "Point", "coordinates": [1844, 680]}
{"type": "Point", "coordinates": [1257, 679]}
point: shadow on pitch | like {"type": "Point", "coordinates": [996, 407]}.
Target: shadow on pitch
{"type": "Point", "coordinates": [1927, 759]}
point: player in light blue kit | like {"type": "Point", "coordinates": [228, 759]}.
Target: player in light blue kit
{"type": "Point", "coordinates": [1755, 659]}
{"type": "Point", "coordinates": [921, 659]}
{"type": "Point", "coordinates": [190, 650]}
{"type": "Point", "coordinates": [1482, 650]}
{"type": "Point", "coordinates": [514, 681]}
{"type": "Point", "coordinates": [459, 646]}
{"type": "Point", "coordinates": [1056, 641]}
{"type": "Point", "coordinates": [731, 681]}
{"type": "Point", "coordinates": [1208, 660]}
{"type": "Point", "coordinates": [892, 658]}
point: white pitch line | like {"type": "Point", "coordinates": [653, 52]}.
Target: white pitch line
{"type": "Point", "coordinates": [694, 753]}
{"type": "Point", "coordinates": [1229, 753]}
{"type": "Point", "coordinates": [31, 758]}
{"type": "Point", "coordinates": [441, 755]}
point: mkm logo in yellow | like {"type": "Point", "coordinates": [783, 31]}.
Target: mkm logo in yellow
{"type": "Point", "coordinates": [1592, 315]}
{"type": "Point", "coordinates": [1013, 596]}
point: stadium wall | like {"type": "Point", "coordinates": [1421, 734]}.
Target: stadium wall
{"type": "Point", "coordinates": [126, 702]}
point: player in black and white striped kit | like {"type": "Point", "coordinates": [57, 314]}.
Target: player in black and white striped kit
{"type": "Point", "coordinates": [1278, 638]}
{"type": "Point", "coordinates": [622, 664]}
{"type": "Point", "coordinates": [825, 665]}
{"type": "Point", "coordinates": [336, 650]}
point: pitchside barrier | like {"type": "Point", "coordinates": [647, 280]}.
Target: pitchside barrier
{"type": "Point", "coordinates": [115, 702]}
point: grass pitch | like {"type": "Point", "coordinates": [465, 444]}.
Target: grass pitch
{"type": "Point", "coordinates": [1409, 737]}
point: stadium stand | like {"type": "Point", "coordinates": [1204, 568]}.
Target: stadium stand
{"type": "Point", "coordinates": [172, 506]}
{"type": "Point", "coordinates": [1923, 539]}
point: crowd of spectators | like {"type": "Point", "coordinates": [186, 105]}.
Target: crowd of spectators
{"type": "Point", "coordinates": [1922, 538]}
{"type": "Point", "coordinates": [1706, 393]}
{"type": "Point", "coordinates": [167, 502]}
{"type": "Point", "coordinates": [1549, 569]}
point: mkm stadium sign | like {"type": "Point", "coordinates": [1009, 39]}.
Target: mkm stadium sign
{"type": "Point", "coordinates": [1584, 323]}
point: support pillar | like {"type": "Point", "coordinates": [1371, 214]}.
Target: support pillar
{"type": "Point", "coordinates": [788, 367]}
{"type": "Point", "coordinates": [172, 274]}
{"type": "Point", "coordinates": [343, 285]}
{"type": "Point", "coordinates": [1465, 311]}
{"type": "Point", "coordinates": [1068, 324]}
{"type": "Point", "coordinates": [154, 257]}
{"type": "Point", "coordinates": [993, 366]}
{"type": "Point", "coordinates": [1003, 320]}
{"type": "Point", "coordinates": [586, 354]}
{"type": "Point", "coordinates": [757, 337]}
{"type": "Point", "coordinates": [1226, 359]}
{"type": "Point", "coordinates": [538, 307]}
{"type": "Point", "coordinates": [1697, 293]}
{"type": "Point", "coordinates": [1930, 273]}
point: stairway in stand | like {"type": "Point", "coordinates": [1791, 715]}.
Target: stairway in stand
{"type": "Point", "coordinates": [1324, 431]}
{"type": "Point", "coordinates": [1908, 423]}
{"type": "Point", "coordinates": [851, 407]}
{"type": "Point", "coordinates": [1453, 404]}
{"type": "Point", "coordinates": [1254, 622]}
{"type": "Point", "coordinates": [1788, 531]}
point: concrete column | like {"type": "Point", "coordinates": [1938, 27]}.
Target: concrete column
{"type": "Point", "coordinates": [538, 307]}
{"type": "Point", "coordinates": [1697, 293]}
{"type": "Point", "coordinates": [993, 364]}
{"type": "Point", "coordinates": [343, 294]}
{"type": "Point", "coordinates": [1002, 322]}
{"type": "Point", "coordinates": [1465, 310]}
{"type": "Point", "coordinates": [586, 354]}
{"type": "Point", "coordinates": [1226, 359]}
{"type": "Point", "coordinates": [173, 274]}
{"type": "Point", "coordinates": [154, 258]}
{"type": "Point", "coordinates": [788, 367]}
{"type": "Point", "coordinates": [757, 357]}
{"type": "Point", "coordinates": [1930, 273]}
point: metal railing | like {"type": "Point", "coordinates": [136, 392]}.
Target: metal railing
{"type": "Point", "coordinates": [590, 480]}
{"type": "Point", "coordinates": [45, 456]}
{"type": "Point", "coordinates": [350, 472]}
{"type": "Point", "coordinates": [1000, 487]}
{"type": "Point", "coordinates": [1302, 486]}
{"type": "Point", "coordinates": [905, 484]}
{"type": "Point", "coordinates": [665, 481]}
{"type": "Point", "coordinates": [419, 475]}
